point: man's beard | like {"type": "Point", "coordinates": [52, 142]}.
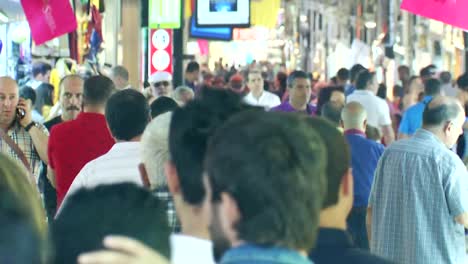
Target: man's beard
{"type": "Point", "coordinates": [220, 241]}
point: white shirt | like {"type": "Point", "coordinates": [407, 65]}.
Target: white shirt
{"type": "Point", "coordinates": [378, 112]}
{"type": "Point", "coordinates": [267, 100]}
{"type": "Point", "coordinates": [118, 165]}
{"type": "Point", "coordinates": [187, 249]}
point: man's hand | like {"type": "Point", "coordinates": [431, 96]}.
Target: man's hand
{"type": "Point", "coordinates": [122, 250]}
{"type": "Point", "coordinates": [26, 106]}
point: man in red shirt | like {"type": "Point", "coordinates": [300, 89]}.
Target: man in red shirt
{"type": "Point", "coordinates": [75, 143]}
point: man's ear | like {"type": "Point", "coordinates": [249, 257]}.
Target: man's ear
{"type": "Point", "coordinates": [172, 177]}
{"type": "Point", "coordinates": [230, 208]}
{"type": "Point", "coordinates": [144, 175]}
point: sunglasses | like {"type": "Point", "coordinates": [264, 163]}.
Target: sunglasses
{"type": "Point", "coordinates": [157, 84]}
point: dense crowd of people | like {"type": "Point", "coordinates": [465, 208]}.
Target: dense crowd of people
{"type": "Point", "coordinates": [235, 166]}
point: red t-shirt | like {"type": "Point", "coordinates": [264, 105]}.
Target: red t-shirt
{"type": "Point", "coordinates": [73, 144]}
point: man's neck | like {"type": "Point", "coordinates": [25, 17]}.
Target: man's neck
{"type": "Point", "coordinates": [257, 94]}
{"type": "Point", "coordinates": [360, 129]}
{"type": "Point", "coordinates": [94, 109]}
{"type": "Point", "coordinates": [191, 222]}
{"type": "Point", "coordinates": [5, 126]}
{"type": "Point", "coordinates": [332, 217]}
{"type": "Point", "coordinates": [297, 107]}
{"type": "Point", "coordinates": [135, 139]}
{"type": "Point", "coordinates": [438, 134]}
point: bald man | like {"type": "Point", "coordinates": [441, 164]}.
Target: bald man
{"type": "Point", "coordinates": [365, 154]}
{"type": "Point", "coordinates": [418, 207]}
{"type": "Point", "coordinates": [30, 137]}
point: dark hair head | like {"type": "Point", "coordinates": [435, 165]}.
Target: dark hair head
{"type": "Point", "coordinates": [255, 167]}
{"type": "Point", "coordinates": [127, 114]}
{"type": "Point", "coordinates": [364, 78]}
{"type": "Point", "coordinates": [404, 68]}
{"type": "Point", "coordinates": [162, 105]}
{"type": "Point", "coordinates": [97, 90]}
{"type": "Point", "coordinates": [193, 66]}
{"type": "Point", "coordinates": [441, 110]}
{"type": "Point", "coordinates": [337, 155]}
{"type": "Point", "coordinates": [382, 91]}
{"type": "Point", "coordinates": [40, 68]}
{"type": "Point", "coordinates": [27, 92]}
{"type": "Point", "coordinates": [432, 87]}
{"type": "Point", "coordinates": [282, 80]}
{"type": "Point", "coordinates": [324, 96]}
{"type": "Point", "coordinates": [332, 112]}
{"type": "Point", "coordinates": [355, 70]}
{"type": "Point", "coordinates": [462, 82]}
{"type": "Point", "coordinates": [427, 71]}
{"type": "Point", "coordinates": [120, 209]}
{"type": "Point", "coordinates": [190, 128]}
{"type": "Point", "coordinates": [297, 75]}
{"type": "Point", "coordinates": [343, 74]}
{"type": "Point", "coordinates": [445, 77]}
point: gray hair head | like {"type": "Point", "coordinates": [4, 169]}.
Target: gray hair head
{"type": "Point", "coordinates": [155, 149]}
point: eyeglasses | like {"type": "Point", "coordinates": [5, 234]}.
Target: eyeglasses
{"type": "Point", "coordinates": [157, 84]}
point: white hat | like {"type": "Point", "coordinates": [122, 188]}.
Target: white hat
{"type": "Point", "coordinates": [160, 77]}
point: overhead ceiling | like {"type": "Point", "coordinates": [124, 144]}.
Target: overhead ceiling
{"type": "Point", "coordinates": [13, 9]}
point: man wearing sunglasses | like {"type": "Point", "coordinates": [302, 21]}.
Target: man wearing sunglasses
{"type": "Point", "coordinates": [161, 84]}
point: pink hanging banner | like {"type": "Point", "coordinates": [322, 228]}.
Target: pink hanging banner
{"type": "Point", "coordinates": [451, 12]}
{"type": "Point", "coordinates": [204, 46]}
{"type": "Point", "coordinates": [49, 19]}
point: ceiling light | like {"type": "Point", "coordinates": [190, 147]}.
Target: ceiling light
{"type": "Point", "coordinates": [370, 24]}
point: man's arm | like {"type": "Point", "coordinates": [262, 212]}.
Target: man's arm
{"type": "Point", "coordinates": [51, 176]}
{"type": "Point", "coordinates": [369, 223]}
{"type": "Point", "coordinates": [389, 135]}
{"type": "Point", "coordinates": [40, 140]}
{"type": "Point", "coordinates": [38, 135]}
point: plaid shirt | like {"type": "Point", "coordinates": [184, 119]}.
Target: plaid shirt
{"type": "Point", "coordinates": [164, 195]}
{"type": "Point", "coordinates": [24, 141]}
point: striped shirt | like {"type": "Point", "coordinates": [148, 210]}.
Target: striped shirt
{"type": "Point", "coordinates": [420, 186]}
{"type": "Point", "coordinates": [119, 165]}
{"type": "Point", "coordinates": [24, 141]}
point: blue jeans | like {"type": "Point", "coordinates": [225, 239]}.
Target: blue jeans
{"type": "Point", "coordinates": [357, 227]}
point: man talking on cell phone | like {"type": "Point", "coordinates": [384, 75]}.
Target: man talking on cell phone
{"type": "Point", "coordinates": [20, 137]}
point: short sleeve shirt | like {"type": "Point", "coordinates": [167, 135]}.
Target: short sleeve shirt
{"type": "Point", "coordinates": [412, 118]}
{"type": "Point", "coordinates": [420, 186]}
{"type": "Point", "coordinates": [378, 112]}
{"type": "Point", "coordinates": [73, 144]}
{"type": "Point", "coordinates": [24, 141]}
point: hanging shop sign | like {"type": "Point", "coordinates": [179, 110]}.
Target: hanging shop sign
{"type": "Point", "coordinates": [164, 14]}
{"type": "Point", "coordinates": [451, 12]}
{"type": "Point", "coordinates": [49, 19]}
{"type": "Point", "coordinates": [160, 51]}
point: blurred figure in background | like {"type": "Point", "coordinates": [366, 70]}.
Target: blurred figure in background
{"type": "Point", "coordinates": [183, 95]}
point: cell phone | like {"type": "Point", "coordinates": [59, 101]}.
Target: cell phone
{"type": "Point", "coordinates": [20, 113]}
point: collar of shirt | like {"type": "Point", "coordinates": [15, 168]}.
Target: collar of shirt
{"type": "Point", "coordinates": [251, 97]}
{"type": "Point", "coordinates": [355, 132]}
{"type": "Point", "coordinates": [331, 237]}
{"type": "Point", "coordinates": [188, 249]}
{"type": "Point", "coordinates": [88, 115]}
{"type": "Point", "coordinates": [426, 99]}
{"type": "Point", "coordinates": [250, 253]}
{"type": "Point", "coordinates": [364, 92]}
{"type": "Point", "coordinates": [427, 135]}
{"type": "Point", "coordinates": [287, 107]}
{"type": "Point", "coordinates": [125, 146]}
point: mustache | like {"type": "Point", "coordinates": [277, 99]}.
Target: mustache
{"type": "Point", "coordinates": [73, 107]}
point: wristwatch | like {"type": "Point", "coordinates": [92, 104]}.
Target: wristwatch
{"type": "Point", "coordinates": [29, 126]}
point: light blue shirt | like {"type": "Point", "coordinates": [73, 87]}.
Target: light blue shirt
{"type": "Point", "coordinates": [413, 116]}
{"type": "Point", "coordinates": [420, 186]}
